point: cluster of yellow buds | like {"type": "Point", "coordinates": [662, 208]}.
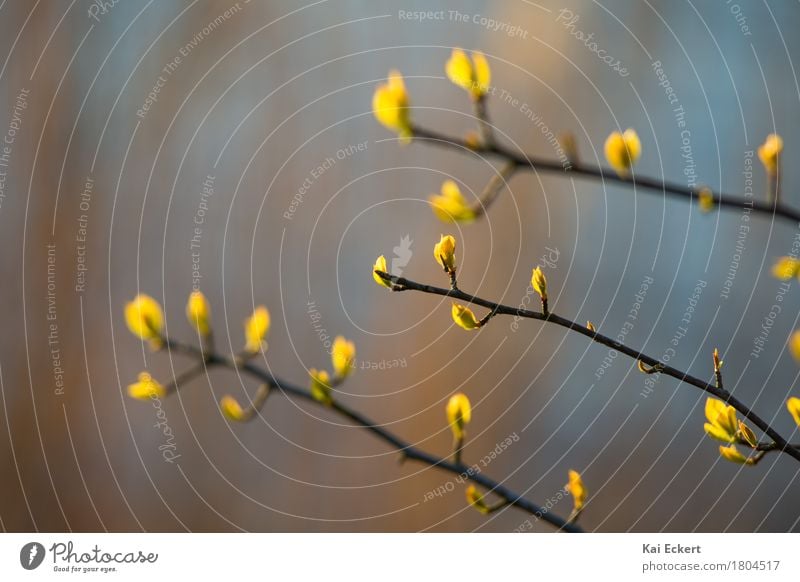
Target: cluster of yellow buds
{"type": "Point", "coordinates": [444, 254]}
{"type": "Point", "coordinates": [391, 104]}
{"type": "Point", "coordinates": [459, 414]}
{"type": "Point", "coordinates": [145, 319]}
{"type": "Point", "coordinates": [723, 426]}
{"type": "Point", "coordinates": [474, 76]}
{"type": "Point", "coordinates": [343, 355]}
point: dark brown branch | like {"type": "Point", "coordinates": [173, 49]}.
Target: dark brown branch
{"type": "Point", "coordinates": [675, 190]}
{"type": "Point", "coordinates": [408, 450]}
{"type": "Point", "coordinates": [403, 284]}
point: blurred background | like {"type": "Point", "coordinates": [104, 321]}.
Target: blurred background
{"type": "Point", "coordinates": [155, 145]}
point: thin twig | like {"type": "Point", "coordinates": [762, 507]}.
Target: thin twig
{"type": "Point", "coordinates": [781, 444]}
{"type": "Point", "coordinates": [495, 185]}
{"type": "Point", "coordinates": [482, 113]}
{"type": "Point", "coordinates": [408, 450]}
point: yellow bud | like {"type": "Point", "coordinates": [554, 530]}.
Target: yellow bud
{"type": "Point", "coordinates": [342, 355]}
{"type": "Point", "coordinates": [732, 454]}
{"type": "Point", "coordinates": [590, 326]}
{"type": "Point", "coordinates": [645, 369]}
{"type": "Point", "coordinates": [717, 361]}
{"type": "Point", "coordinates": [475, 499]}
{"type": "Point", "coordinates": [705, 199]}
{"type": "Point", "coordinates": [459, 413]}
{"type": "Point", "coordinates": [539, 282]}
{"type": "Point", "coordinates": [568, 145]}
{"type": "Point", "coordinates": [786, 268]}
{"type": "Point", "coordinates": [748, 435]}
{"type": "Point", "coordinates": [717, 433]}
{"type": "Point", "coordinates": [722, 422]}
{"type": "Point", "coordinates": [623, 150]}
{"type": "Point", "coordinates": [321, 389]}
{"type": "Point", "coordinates": [793, 406]}
{"type": "Point", "coordinates": [198, 312]}
{"type": "Point", "coordinates": [483, 73]}
{"type": "Point", "coordinates": [450, 205]}
{"type": "Point", "coordinates": [390, 105]}
{"type": "Point", "coordinates": [577, 489]}
{"type": "Point", "coordinates": [144, 318]}
{"type": "Point", "coordinates": [380, 265]}
{"type": "Point", "coordinates": [445, 253]}
{"type": "Point", "coordinates": [146, 387]}
{"type": "Point", "coordinates": [472, 140]}
{"type": "Point", "coordinates": [256, 328]}
{"type": "Point", "coordinates": [794, 345]}
{"type": "Point", "coordinates": [769, 152]}
{"type": "Point", "coordinates": [231, 409]}
{"type": "Point", "coordinates": [473, 76]}
{"type": "Point", "coordinates": [464, 317]}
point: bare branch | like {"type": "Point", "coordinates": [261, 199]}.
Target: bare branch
{"type": "Point", "coordinates": [780, 443]}
{"type": "Point", "coordinates": [771, 207]}
{"type": "Point", "coordinates": [408, 451]}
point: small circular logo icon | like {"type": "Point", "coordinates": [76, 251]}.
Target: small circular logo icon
{"type": "Point", "coordinates": [31, 555]}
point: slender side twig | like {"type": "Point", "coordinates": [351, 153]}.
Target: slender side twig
{"type": "Point", "coordinates": [407, 450]}
{"type": "Point", "coordinates": [482, 114]}
{"type": "Point", "coordinates": [522, 160]}
{"type": "Point", "coordinates": [493, 188]}
{"type": "Point", "coordinates": [779, 443]}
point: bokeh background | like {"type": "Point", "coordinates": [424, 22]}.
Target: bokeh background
{"type": "Point", "coordinates": [259, 100]}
